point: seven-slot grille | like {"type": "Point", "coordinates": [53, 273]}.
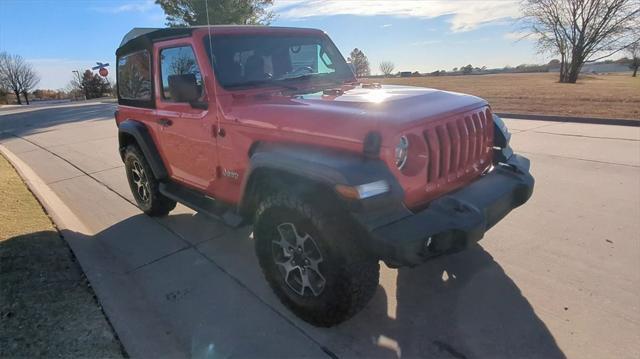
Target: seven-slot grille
{"type": "Point", "coordinates": [459, 146]}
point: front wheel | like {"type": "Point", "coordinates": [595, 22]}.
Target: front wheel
{"type": "Point", "coordinates": [311, 260]}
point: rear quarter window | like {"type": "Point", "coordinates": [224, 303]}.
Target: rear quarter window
{"type": "Point", "coordinates": [134, 76]}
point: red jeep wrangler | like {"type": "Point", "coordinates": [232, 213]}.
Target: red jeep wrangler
{"type": "Point", "coordinates": [269, 126]}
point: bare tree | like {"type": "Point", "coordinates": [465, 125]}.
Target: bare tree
{"type": "Point", "coordinates": [76, 85]}
{"type": "Point", "coordinates": [28, 79]}
{"type": "Point", "coordinates": [581, 31]}
{"type": "Point", "coordinates": [17, 75]}
{"type": "Point", "coordinates": [9, 73]}
{"type": "Point", "coordinates": [386, 67]}
{"type": "Point", "coordinates": [634, 51]}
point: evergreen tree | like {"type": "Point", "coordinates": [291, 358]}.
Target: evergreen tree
{"type": "Point", "coordinates": [360, 62]}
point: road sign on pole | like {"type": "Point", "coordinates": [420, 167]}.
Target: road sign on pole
{"type": "Point", "coordinates": [102, 69]}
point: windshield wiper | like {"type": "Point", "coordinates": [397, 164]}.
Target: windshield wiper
{"type": "Point", "coordinates": [262, 83]}
{"type": "Point", "coordinates": [313, 75]}
{"type": "Point", "coordinates": [299, 77]}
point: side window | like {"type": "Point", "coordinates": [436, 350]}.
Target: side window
{"type": "Point", "coordinates": [178, 61]}
{"type": "Point", "coordinates": [325, 65]}
{"type": "Point", "coordinates": [134, 76]}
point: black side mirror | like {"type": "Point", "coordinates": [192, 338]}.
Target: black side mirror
{"type": "Point", "coordinates": [185, 88]}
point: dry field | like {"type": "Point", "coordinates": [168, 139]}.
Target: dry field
{"type": "Point", "coordinates": [47, 308]}
{"type": "Point", "coordinates": [605, 96]}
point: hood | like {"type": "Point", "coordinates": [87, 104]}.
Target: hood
{"type": "Point", "coordinates": [399, 105]}
{"type": "Point", "coordinates": [352, 112]}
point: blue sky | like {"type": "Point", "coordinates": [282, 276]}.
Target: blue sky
{"type": "Point", "coordinates": [60, 36]}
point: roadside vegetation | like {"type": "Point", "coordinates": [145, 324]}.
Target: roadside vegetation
{"type": "Point", "coordinates": [605, 96]}
{"type": "Point", "coordinates": [47, 307]}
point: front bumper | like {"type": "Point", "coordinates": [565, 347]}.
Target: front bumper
{"type": "Point", "coordinates": [456, 220]}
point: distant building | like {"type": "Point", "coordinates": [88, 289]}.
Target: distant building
{"type": "Point", "coordinates": [599, 67]}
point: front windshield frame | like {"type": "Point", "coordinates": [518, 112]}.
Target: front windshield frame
{"type": "Point", "coordinates": [341, 74]}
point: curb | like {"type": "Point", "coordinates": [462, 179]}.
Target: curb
{"type": "Point", "coordinates": [73, 231]}
{"type": "Point", "coordinates": [589, 120]}
{"type": "Point", "coordinates": [55, 208]}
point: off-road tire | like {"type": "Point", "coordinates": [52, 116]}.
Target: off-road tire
{"type": "Point", "coordinates": [155, 204]}
{"type": "Point", "coordinates": [351, 275]}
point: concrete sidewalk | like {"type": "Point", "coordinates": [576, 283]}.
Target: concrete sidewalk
{"type": "Point", "coordinates": [188, 286]}
{"type": "Point", "coordinates": [164, 297]}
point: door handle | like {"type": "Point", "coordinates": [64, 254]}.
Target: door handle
{"type": "Point", "coordinates": [217, 131]}
{"type": "Point", "coordinates": [164, 122]}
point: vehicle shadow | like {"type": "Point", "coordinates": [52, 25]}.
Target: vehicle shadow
{"type": "Point", "coordinates": [461, 306]}
{"type": "Point", "coordinates": [456, 306]}
{"type": "Point", "coordinates": [464, 306]}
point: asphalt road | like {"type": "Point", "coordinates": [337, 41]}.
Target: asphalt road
{"type": "Point", "coordinates": [558, 277]}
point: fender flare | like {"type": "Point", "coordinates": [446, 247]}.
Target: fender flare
{"type": "Point", "coordinates": [140, 133]}
{"type": "Point", "coordinates": [329, 168]}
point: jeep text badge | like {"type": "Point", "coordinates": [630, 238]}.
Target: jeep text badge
{"type": "Point", "coordinates": [230, 174]}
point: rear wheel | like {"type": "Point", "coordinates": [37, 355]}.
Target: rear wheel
{"type": "Point", "coordinates": [144, 186]}
{"type": "Point", "coordinates": [311, 260]}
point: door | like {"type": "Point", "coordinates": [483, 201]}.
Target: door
{"type": "Point", "coordinates": [186, 140]}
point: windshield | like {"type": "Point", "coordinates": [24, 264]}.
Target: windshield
{"type": "Point", "coordinates": [254, 60]}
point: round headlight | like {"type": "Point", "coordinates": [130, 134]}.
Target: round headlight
{"type": "Point", "coordinates": [402, 152]}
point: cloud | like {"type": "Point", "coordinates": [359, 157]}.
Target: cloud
{"type": "Point", "coordinates": [463, 15]}
{"type": "Point", "coordinates": [387, 25]}
{"type": "Point", "coordinates": [133, 6]}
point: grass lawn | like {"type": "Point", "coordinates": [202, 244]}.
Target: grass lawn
{"type": "Point", "coordinates": [47, 308]}
{"type": "Point", "coordinates": [605, 96]}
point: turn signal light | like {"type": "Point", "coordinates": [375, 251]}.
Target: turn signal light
{"type": "Point", "coordinates": [363, 191]}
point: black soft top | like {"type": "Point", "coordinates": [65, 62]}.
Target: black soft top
{"type": "Point", "coordinates": [141, 38]}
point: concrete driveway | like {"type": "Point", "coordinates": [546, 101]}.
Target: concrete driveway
{"type": "Point", "coordinates": [558, 277]}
